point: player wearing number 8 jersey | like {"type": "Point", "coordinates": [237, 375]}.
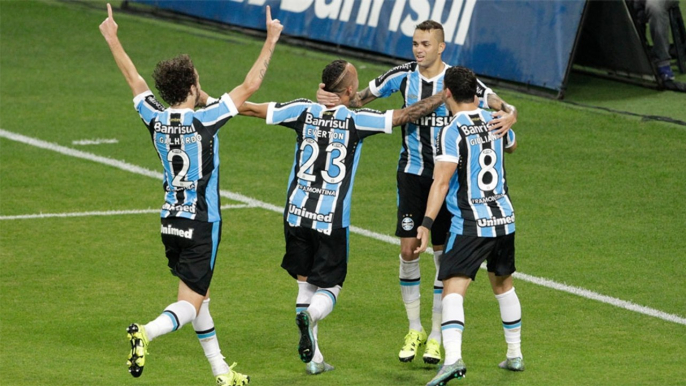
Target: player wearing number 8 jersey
{"type": "Point", "coordinates": [187, 144]}
{"type": "Point", "coordinates": [317, 213]}
{"type": "Point", "coordinates": [469, 174]}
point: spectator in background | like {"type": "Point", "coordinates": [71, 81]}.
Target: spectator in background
{"type": "Point", "coordinates": [656, 14]}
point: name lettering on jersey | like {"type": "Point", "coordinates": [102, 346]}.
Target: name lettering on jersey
{"type": "Point", "coordinates": [488, 199]}
{"type": "Point", "coordinates": [180, 140]}
{"type": "Point", "coordinates": [179, 208]}
{"type": "Point", "coordinates": [304, 213]}
{"type": "Point", "coordinates": [328, 122]}
{"type": "Point", "coordinates": [168, 230]}
{"type": "Point", "coordinates": [312, 189]}
{"type": "Point", "coordinates": [456, 18]}
{"type": "Point", "coordinates": [433, 120]}
{"type": "Point", "coordinates": [479, 140]}
{"type": "Point", "coordinates": [493, 221]}
{"type": "Point", "coordinates": [173, 129]}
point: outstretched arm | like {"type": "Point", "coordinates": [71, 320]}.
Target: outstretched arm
{"type": "Point", "coordinates": [249, 109]}
{"type": "Point", "coordinates": [504, 118]}
{"type": "Point", "coordinates": [256, 74]}
{"type": "Point", "coordinates": [330, 99]}
{"type": "Point", "coordinates": [108, 28]}
{"type": "Point", "coordinates": [417, 110]}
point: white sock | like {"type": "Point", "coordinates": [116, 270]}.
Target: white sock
{"type": "Point", "coordinates": [453, 325]}
{"type": "Point", "coordinates": [318, 356]}
{"type": "Point", "coordinates": [305, 293]}
{"type": "Point", "coordinates": [204, 329]}
{"type": "Point", "coordinates": [437, 313]}
{"type": "Point", "coordinates": [323, 302]}
{"type": "Point", "coordinates": [409, 289]}
{"type": "Point", "coordinates": [511, 315]}
{"type": "Point", "coordinates": [174, 317]}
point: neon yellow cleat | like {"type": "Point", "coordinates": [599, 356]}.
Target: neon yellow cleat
{"type": "Point", "coordinates": [413, 341]}
{"type": "Point", "coordinates": [232, 378]}
{"type": "Point", "coordinates": [139, 349]}
{"type": "Point", "coordinates": [432, 352]}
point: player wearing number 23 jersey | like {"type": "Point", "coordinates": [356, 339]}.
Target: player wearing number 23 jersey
{"type": "Point", "coordinates": [329, 142]}
{"type": "Point", "coordinates": [477, 197]}
{"type": "Point", "coordinates": [187, 144]}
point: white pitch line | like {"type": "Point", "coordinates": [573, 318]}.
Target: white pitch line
{"type": "Point", "coordinates": [99, 213]}
{"type": "Point", "coordinates": [377, 236]}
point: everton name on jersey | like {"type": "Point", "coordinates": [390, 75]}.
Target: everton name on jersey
{"type": "Point", "coordinates": [327, 152]}
{"type": "Point", "coordinates": [477, 197]}
{"type": "Point", "coordinates": [419, 137]}
{"type": "Point", "coordinates": [187, 144]}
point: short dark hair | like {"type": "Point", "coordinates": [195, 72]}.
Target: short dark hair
{"type": "Point", "coordinates": [333, 74]}
{"type": "Point", "coordinates": [461, 82]}
{"type": "Point", "coordinates": [431, 25]}
{"type": "Point", "coordinates": [174, 78]}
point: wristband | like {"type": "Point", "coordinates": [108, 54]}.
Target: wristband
{"type": "Point", "coordinates": [428, 222]}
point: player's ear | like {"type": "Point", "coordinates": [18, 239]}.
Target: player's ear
{"type": "Point", "coordinates": [441, 47]}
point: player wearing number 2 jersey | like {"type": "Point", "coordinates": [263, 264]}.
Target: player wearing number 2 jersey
{"type": "Point", "coordinates": [187, 144]}
{"type": "Point", "coordinates": [469, 174]}
{"type": "Point", "coordinates": [317, 213]}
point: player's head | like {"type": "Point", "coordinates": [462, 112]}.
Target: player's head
{"type": "Point", "coordinates": [340, 77]}
{"type": "Point", "coordinates": [175, 79]}
{"type": "Point", "coordinates": [461, 82]}
{"type": "Point", "coordinates": [428, 43]}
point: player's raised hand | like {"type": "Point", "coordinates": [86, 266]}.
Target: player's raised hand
{"type": "Point", "coordinates": [108, 27]}
{"type": "Point", "coordinates": [274, 27]}
{"type": "Point", "coordinates": [502, 122]}
{"type": "Point", "coordinates": [326, 98]}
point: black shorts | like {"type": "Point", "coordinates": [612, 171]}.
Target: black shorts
{"type": "Point", "coordinates": [322, 258]}
{"type": "Point", "coordinates": [191, 248]}
{"type": "Point", "coordinates": [464, 254]}
{"type": "Point", "coordinates": [413, 193]}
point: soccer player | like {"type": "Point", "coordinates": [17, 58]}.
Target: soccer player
{"type": "Point", "coordinates": [469, 175]}
{"type": "Point", "coordinates": [317, 213]}
{"type": "Point", "coordinates": [415, 81]}
{"type": "Point", "coordinates": [186, 142]}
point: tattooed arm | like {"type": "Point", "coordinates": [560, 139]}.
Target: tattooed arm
{"type": "Point", "coordinates": [417, 110]}
{"type": "Point", "coordinates": [504, 117]}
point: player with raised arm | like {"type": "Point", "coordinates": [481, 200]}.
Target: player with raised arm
{"type": "Point", "coordinates": [416, 81]}
{"type": "Point", "coordinates": [317, 213]}
{"type": "Point", "coordinates": [187, 143]}
{"type": "Point", "coordinates": [469, 175]}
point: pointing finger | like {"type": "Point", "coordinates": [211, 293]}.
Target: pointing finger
{"type": "Point", "coordinates": [109, 11]}
{"type": "Point", "coordinates": [269, 14]}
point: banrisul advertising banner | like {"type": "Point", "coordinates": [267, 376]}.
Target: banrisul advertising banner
{"type": "Point", "coordinates": [528, 42]}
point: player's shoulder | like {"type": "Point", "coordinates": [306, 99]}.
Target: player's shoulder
{"type": "Point", "coordinates": [399, 69]}
{"type": "Point", "coordinates": [298, 101]}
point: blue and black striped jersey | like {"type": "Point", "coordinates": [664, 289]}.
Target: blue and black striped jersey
{"type": "Point", "coordinates": [187, 144]}
{"type": "Point", "coordinates": [419, 138]}
{"type": "Point", "coordinates": [327, 152]}
{"type": "Point", "coordinates": [477, 198]}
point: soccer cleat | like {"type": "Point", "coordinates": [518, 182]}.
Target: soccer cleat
{"type": "Point", "coordinates": [665, 73]}
{"type": "Point", "coordinates": [432, 352]}
{"type": "Point", "coordinates": [232, 378]}
{"type": "Point", "coordinates": [314, 368]}
{"type": "Point", "coordinates": [512, 364]}
{"type": "Point", "coordinates": [447, 372]}
{"type": "Point", "coordinates": [306, 344]}
{"type": "Point", "coordinates": [139, 349]}
{"type": "Point", "coordinates": [413, 341]}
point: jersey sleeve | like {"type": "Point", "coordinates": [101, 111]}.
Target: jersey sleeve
{"type": "Point", "coordinates": [509, 139]}
{"type": "Point", "coordinates": [389, 82]}
{"type": "Point", "coordinates": [215, 115]}
{"type": "Point", "coordinates": [447, 148]}
{"type": "Point", "coordinates": [483, 91]}
{"type": "Point", "coordinates": [287, 113]}
{"type": "Point", "coordinates": [147, 105]}
{"type": "Point", "coordinates": [369, 122]}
